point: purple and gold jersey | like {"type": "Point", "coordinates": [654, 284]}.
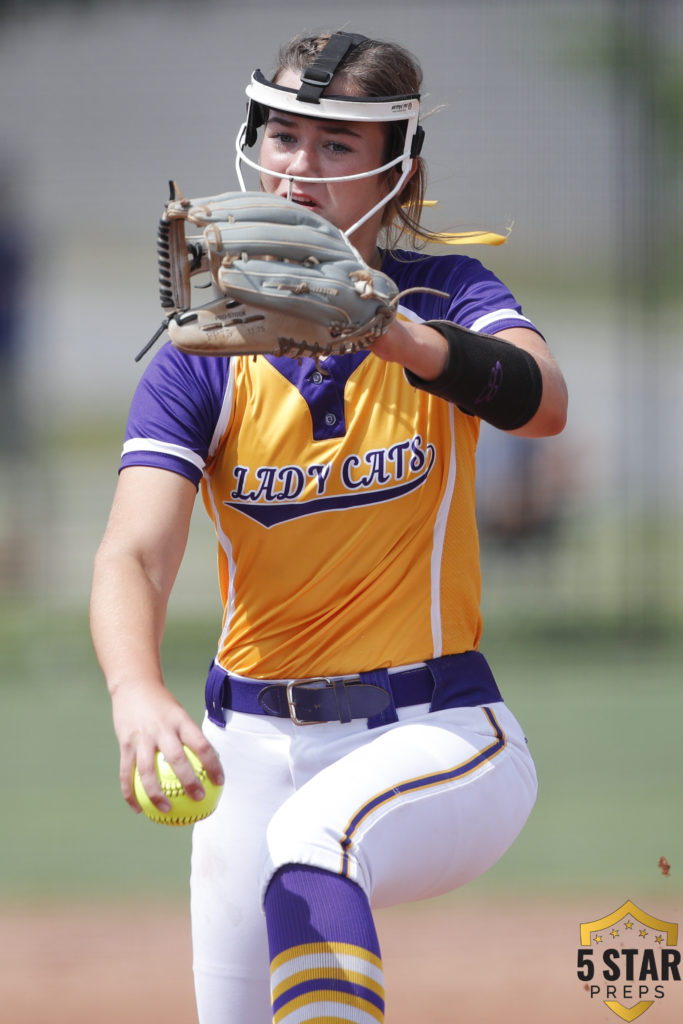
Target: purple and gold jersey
{"type": "Point", "coordinates": [343, 498]}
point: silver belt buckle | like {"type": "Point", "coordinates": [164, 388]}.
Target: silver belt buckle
{"type": "Point", "coordinates": [290, 698]}
{"type": "Point", "coordinates": [311, 682]}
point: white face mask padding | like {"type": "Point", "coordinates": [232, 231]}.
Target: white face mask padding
{"type": "Point", "coordinates": [264, 94]}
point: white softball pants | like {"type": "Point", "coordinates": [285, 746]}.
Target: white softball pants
{"type": "Point", "coordinates": [410, 810]}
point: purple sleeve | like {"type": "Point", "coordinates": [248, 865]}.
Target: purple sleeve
{"type": "Point", "coordinates": [477, 299]}
{"type": "Point", "coordinates": [174, 412]}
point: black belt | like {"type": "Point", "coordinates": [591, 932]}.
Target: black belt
{"type": "Point", "coordinates": [456, 680]}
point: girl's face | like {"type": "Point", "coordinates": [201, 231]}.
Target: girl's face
{"type": "Point", "coordinates": [312, 148]}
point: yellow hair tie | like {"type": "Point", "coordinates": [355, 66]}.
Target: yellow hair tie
{"type": "Point", "coordinates": [463, 237]}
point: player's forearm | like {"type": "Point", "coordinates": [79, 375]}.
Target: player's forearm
{"type": "Point", "coordinates": [127, 617]}
{"type": "Point", "coordinates": [134, 571]}
{"type": "Point", "coordinates": [509, 379]}
{"type": "Point", "coordinates": [417, 347]}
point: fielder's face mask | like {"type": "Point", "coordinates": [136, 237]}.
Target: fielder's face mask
{"type": "Point", "coordinates": [309, 101]}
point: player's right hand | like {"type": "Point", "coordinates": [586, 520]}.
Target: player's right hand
{"type": "Point", "coordinates": [155, 720]}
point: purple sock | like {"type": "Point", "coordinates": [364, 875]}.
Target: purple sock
{"type": "Point", "coordinates": [325, 957]}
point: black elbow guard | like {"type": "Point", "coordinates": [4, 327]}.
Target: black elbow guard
{"type": "Point", "coordinates": [486, 377]}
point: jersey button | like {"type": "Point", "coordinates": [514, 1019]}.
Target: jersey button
{"type": "Point", "coordinates": [316, 377]}
{"type": "Point", "coordinates": [330, 419]}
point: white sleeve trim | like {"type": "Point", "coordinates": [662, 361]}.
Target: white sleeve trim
{"type": "Point", "coordinates": [147, 444]}
{"type": "Point", "coordinates": [226, 410]}
{"type": "Point", "coordinates": [482, 322]}
{"type": "Point", "coordinates": [407, 314]}
{"type": "Point", "coordinates": [439, 540]}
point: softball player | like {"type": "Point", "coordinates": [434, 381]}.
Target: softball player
{"type": "Point", "coordinates": [368, 756]}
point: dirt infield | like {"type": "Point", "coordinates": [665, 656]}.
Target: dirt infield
{"type": "Point", "coordinates": [446, 962]}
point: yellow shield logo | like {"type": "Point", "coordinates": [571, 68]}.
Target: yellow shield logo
{"type": "Point", "coordinates": [626, 959]}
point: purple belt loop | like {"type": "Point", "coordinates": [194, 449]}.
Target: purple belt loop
{"type": "Point", "coordinates": [214, 694]}
{"type": "Point", "coordinates": [380, 677]}
{"type": "Point", "coordinates": [462, 680]}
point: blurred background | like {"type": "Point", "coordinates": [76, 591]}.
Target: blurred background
{"type": "Point", "coordinates": [563, 118]}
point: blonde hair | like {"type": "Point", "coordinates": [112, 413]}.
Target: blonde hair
{"type": "Point", "coordinates": [376, 68]}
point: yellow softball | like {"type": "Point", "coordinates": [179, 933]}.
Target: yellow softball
{"type": "Point", "coordinates": [184, 810]}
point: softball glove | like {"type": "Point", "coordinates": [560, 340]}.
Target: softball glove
{"type": "Point", "coordinates": [284, 280]}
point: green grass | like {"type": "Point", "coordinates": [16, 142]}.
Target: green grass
{"type": "Point", "coordinates": [602, 713]}
{"type": "Point", "coordinates": [602, 718]}
{"type": "Point", "coordinates": [67, 832]}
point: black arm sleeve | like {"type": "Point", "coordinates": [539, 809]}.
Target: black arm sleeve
{"type": "Point", "coordinates": [486, 377]}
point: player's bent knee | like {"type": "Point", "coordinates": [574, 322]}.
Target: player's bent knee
{"type": "Point", "coordinates": [299, 834]}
